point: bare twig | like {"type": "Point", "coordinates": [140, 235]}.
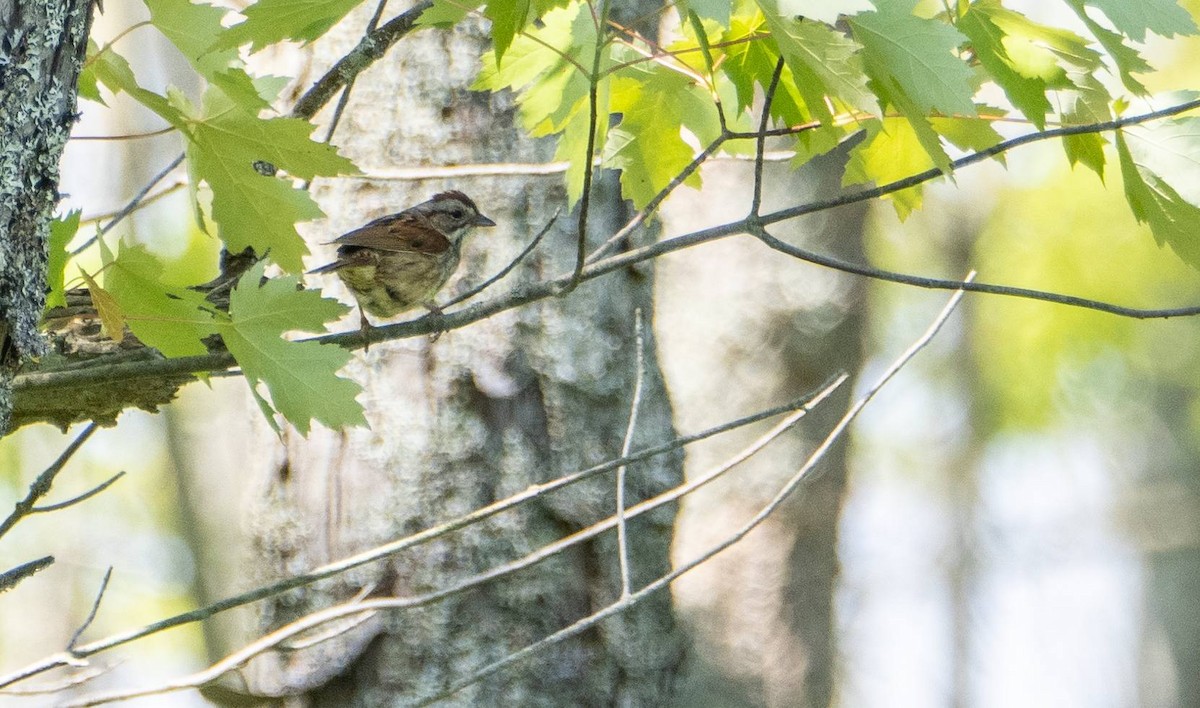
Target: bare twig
{"type": "Point", "coordinates": [665, 581]}
{"type": "Point", "coordinates": [80, 677]}
{"type": "Point", "coordinates": [345, 97]}
{"type": "Point", "coordinates": [79, 498]}
{"type": "Point", "coordinates": [91, 616]}
{"type": "Point", "coordinates": [652, 206]}
{"type": "Point", "coordinates": [585, 199]}
{"type": "Point", "coordinates": [131, 136]}
{"type": "Point", "coordinates": [369, 50]}
{"type": "Point", "coordinates": [315, 619]}
{"type": "Point", "coordinates": [506, 269]}
{"type": "Point", "coordinates": [41, 485]}
{"type": "Point", "coordinates": [761, 146]}
{"type": "Point", "coordinates": [132, 205]}
{"type": "Point", "coordinates": [634, 406]}
{"type": "Point", "coordinates": [178, 185]}
{"type": "Point", "coordinates": [10, 578]}
{"type": "Point", "coordinates": [326, 571]}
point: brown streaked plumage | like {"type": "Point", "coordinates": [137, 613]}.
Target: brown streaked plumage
{"type": "Point", "coordinates": [399, 262]}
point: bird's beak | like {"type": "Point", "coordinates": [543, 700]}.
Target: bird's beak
{"type": "Point", "coordinates": [482, 220]}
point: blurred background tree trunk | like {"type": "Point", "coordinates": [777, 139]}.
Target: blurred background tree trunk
{"type": "Point", "coordinates": [480, 414]}
{"type": "Point", "coordinates": [761, 615]}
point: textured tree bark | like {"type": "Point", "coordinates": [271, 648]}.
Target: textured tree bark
{"type": "Point", "coordinates": [480, 414]}
{"type": "Point", "coordinates": [41, 52]}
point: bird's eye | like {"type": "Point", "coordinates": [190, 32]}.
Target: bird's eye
{"type": "Point", "coordinates": [457, 213]}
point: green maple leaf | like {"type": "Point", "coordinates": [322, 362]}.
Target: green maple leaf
{"type": "Point", "coordinates": [825, 64]}
{"type": "Point", "coordinates": [749, 63]}
{"type": "Point", "coordinates": [1135, 18]}
{"type": "Point", "coordinates": [1127, 59]}
{"type": "Point", "coordinates": [1086, 104]}
{"type": "Point", "coordinates": [301, 377]}
{"type": "Point", "coordinates": [648, 146]}
{"type": "Point", "coordinates": [271, 21]}
{"type": "Point", "coordinates": [104, 66]}
{"type": "Point", "coordinates": [1149, 157]}
{"type": "Point", "coordinates": [445, 13]}
{"type": "Point", "coordinates": [1026, 59]}
{"type": "Point", "coordinates": [716, 10]}
{"type": "Point", "coordinates": [970, 134]}
{"type": "Point", "coordinates": [193, 27]}
{"type": "Point", "coordinates": [891, 151]}
{"type": "Point", "coordinates": [225, 141]}
{"type": "Point", "coordinates": [912, 66]}
{"type": "Point", "coordinates": [62, 230]}
{"type": "Point", "coordinates": [508, 17]}
{"type": "Point", "coordinates": [172, 320]}
{"type": "Point", "coordinates": [548, 68]}
{"type": "Point", "coordinates": [826, 11]}
{"type": "Point", "coordinates": [1025, 86]}
{"type": "Point", "coordinates": [916, 56]}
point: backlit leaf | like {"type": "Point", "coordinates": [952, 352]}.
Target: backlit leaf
{"type": "Point", "coordinates": [271, 21]}
{"type": "Point", "coordinates": [112, 320]}
{"type": "Point", "coordinates": [172, 320]}
{"type": "Point", "coordinates": [1135, 18]}
{"type": "Point", "coordinates": [61, 232]}
{"type": "Point", "coordinates": [1148, 158]}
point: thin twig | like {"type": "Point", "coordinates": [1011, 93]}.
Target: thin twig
{"type": "Point", "coordinates": [585, 199]}
{"type": "Point", "coordinates": [665, 581]}
{"type": "Point", "coordinates": [10, 578]}
{"type": "Point", "coordinates": [345, 97]}
{"type": "Point", "coordinates": [41, 485]}
{"type": "Point", "coordinates": [335, 631]}
{"type": "Point", "coordinates": [57, 687]}
{"type": "Point", "coordinates": [165, 191]}
{"type": "Point", "coordinates": [761, 146]}
{"type": "Point", "coordinates": [370, 48]}
{"type": "Point", "coordinates": [76, 499]}
{"type": "Point", "coordinates": [380, 552]}
{"type": "Point", "coordinates": [37, 381]}
{"type": "Point", "coordinates": [130, 136]}
{"type": "Point", "coordinates": [652, 206]}
{"type": "Point", "coordinates": [91, 616]}
{"type": "Point", "coordinates": [232, 661]}
{"type": "Point", "coordinates": [132, 205]}
{"type": "Point", "coordinates": [634, 406]}
{"type": "Point", "coordinates": [506, 269]}
{"type": "Point", "coordinates": [315, 619]}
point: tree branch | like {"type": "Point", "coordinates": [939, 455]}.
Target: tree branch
{"type": "Point", "coordinates": [369, 50]}
{"type": "Point", "coordinates": [28, 384]}
{"type": "Point", "coordinates": [40, 486]}
{"type": "Point", "coordinates": [320, 617]}
{"type": "Point", "coordinates": [665, 581]}
{"type": "Point", "coordinates": [797, 408]}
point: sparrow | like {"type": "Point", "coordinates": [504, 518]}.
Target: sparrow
{"type": "Point", "coordinates": [399, 262]}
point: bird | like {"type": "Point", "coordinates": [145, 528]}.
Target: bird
{"type": "Point", "coordinates": [400, 261]}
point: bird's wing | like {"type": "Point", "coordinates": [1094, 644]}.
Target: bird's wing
{"type": "Point", "coordinates": [355, 258]}
{"type": "Point", "coordinates": [398, 232]}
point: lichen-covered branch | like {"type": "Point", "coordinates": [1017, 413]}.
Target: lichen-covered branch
{"type": "Point", "coordinates": [41, 52]}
